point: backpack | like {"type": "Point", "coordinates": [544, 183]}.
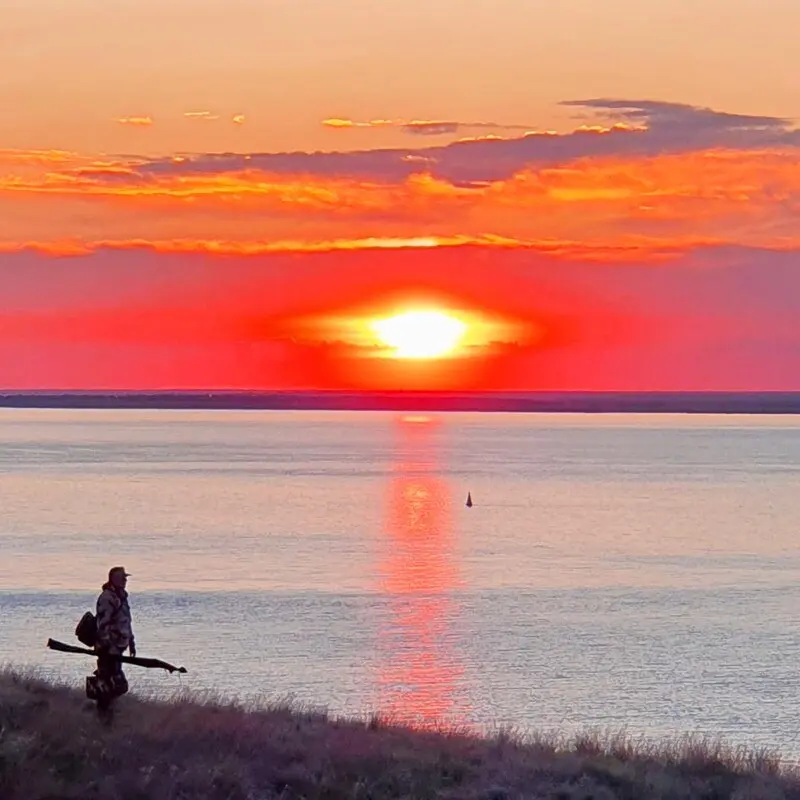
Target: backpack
{"type": "Point", "coordinates": [86, 631]}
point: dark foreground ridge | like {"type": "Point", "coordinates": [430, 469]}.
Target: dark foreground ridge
{"type": "Point", "coordinates": [52, 747]}
{"type": "Point", "coordinates": [521, 402]}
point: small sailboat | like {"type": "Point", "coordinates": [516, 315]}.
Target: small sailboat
{"type": "Point", "coordinates": [469, 500]}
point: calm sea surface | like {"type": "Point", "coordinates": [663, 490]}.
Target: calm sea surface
{"type": "Point", "coordinates": [638, 572]}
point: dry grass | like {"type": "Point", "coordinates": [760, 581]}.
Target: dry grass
{"type": "Point", "coordinates": [52, 747]}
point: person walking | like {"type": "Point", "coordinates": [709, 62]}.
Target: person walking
{"type": "Point", "coordinates": [114, 637]}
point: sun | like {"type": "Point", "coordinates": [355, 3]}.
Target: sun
{"type": "Point", "coordinates": [420, 334]}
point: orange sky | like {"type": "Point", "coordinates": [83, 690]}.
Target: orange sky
{"type": "Point", "coordinates": [192, 197]}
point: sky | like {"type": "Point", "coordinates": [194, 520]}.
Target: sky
{"type": "Point", "coordinates": [197, 195]}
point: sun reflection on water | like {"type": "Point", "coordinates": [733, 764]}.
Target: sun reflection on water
{"type": "Point", "coordinates": [420, 675]}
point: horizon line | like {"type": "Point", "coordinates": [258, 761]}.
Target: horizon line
{"type": "Point", "coordinates": [663, 401]}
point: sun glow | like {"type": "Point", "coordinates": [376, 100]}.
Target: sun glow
{"type": "Point", "coordinates": [420, 334]}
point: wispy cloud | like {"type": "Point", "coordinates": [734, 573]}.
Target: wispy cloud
{"type": "Point", "coordinates": [50, 158]}
{"type": "Point", "coordinates": [343, 124]}
{"type": "Point", "coordinates": [423, 127]}
{"type": "Point", "coordinates": [636, 252]}
{"type": "Point", "coordinates": [199, 116]}
{"type": "Point", "coordinates": [135, 122]}
{"type": "Point", "coordinates": [207, 116]}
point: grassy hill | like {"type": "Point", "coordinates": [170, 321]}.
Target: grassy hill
{"type": "Point", "coordinates": [52, 747]}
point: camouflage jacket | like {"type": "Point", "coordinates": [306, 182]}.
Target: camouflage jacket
{"type": "Point", "coordinates": [114, 629]}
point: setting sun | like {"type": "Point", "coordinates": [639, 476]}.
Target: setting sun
{"type": "Point", "coordinates": [420, 334]}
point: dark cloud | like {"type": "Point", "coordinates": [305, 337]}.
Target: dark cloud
{"type": "Point", "coordinates": [648, 128]}
{"type": "Point", "coordinates": [665, 115]}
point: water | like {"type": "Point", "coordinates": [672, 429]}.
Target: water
{"type": "Point", "coordinates": [615, 571]}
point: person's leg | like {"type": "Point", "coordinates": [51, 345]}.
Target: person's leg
{"type": "Point", "coordinates": [107, 666]}
{"type": "Point", "coordinates": [105, 710]}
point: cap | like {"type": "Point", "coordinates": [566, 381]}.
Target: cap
{"type": "Point", "coordinates": [115, 570]}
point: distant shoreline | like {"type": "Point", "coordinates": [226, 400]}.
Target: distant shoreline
{"type": "Point", "coordinates": [520, 402]}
